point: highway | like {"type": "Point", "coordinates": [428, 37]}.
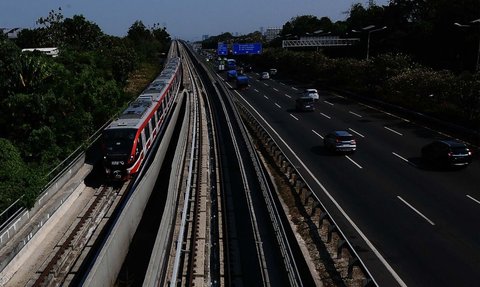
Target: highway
{"type": "Point", "coordinates": [412, 225]}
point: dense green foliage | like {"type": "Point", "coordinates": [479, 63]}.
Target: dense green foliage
{"type": "Point", "coordinates": [394, 78]}
{"type": "Point", "coordinates": [52, 105]}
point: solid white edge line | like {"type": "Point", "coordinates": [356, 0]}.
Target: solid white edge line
{"type": "Point", "coordinates": [317, 134]}
{"type": "Point", "coordinates": [286, 95]}
{"type": "Point", "coordinates": [354, 131]}
{"type": "Point", "coordinates": [278, 105]}
{"type": "Point", "coordinates": [393, 131]}
{"type": "Point", "coordinates": [418, 212]}
{"type": "Point", "coordinates": [474, 199]}
{"type": "Point", "coordinates": [325, 115]}
{"type": "Point", "coordinates": [337, 205]}
{"type": "Point", "coordinates": [359, 166]}
{"type": "Point", "coordinates": [293, 117]}
{"type": "Point", "coordinates": [229, 85]}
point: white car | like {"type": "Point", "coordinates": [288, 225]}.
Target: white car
{"type": "Point", "coordinates": [311, 93]}
{"type": "Point", "coordinates": [265, 76]}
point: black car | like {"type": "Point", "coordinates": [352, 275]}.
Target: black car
{"type": "Point", "coordinates": [340, 141]}
{"type": "Point", "coordinates": [305, 104]}
{"type": "Point", "coordinates": [447, 153]}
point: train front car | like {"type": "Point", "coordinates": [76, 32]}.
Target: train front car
{"type": "Point", "coordinates": [118, 155]}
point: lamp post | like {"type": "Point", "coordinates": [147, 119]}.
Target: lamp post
{"type": "Point", "coordinates": [476, 21]}
{"type": "Point", "coordinates": [370, 29]}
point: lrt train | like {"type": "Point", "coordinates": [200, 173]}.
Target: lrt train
{"type": "Point", "coordinates": [127, 141]}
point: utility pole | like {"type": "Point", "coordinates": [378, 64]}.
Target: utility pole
{"type": "Point", "coordinates": [472, 23]}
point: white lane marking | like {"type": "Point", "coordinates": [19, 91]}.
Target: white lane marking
{"type": "Point", "coordinates": [327, 102]}
{"type": "Point", "coordinates": [355, 114]}
{"type": "Point", "coordinates": [317, 134]}
{"type": "Point", "coordinates": [229, 85]}
{"type": "Point", "coordinates": [256, 90]}
{"type": "Point", "coordinates": [354, 131]}
{"type": "Point", "coordinates": [359, 166]}
{"type": "Point", "coordinates": [325, 115]}
{"type": "Point", "coordinates": [266, 84]}
{"type": "Point", "coordinates": [282, 83]}
{"type": "Point", "coordinates": [295, 88]}
{"type": "Point", "coordinates": [338, 96]}
{"type": "Point", "coordinates": [476, 200]}
{"type": "Point", "coordinates": [418, 212]}
{"type": "Point", "coordinates": [400, 157]}
{"type": "Point", "coordinates": [286, 95]}
{"type": "Point", "coordinates": [394, 131]}
{"type": "Point", "coordinates": [294, 117]}
{"type": "Point", "coordinates": [337, 205]}
{"type": "Point", "coordinates": [278, 105]}
{"type": "Point", "coordinates": [265, 97]}
{"type": "Point", "coordinates": [275, 89]}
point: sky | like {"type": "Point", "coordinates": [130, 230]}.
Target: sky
{"type": "Point", "coordinates": [184, 19]}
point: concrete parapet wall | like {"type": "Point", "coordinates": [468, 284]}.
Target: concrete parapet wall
{"type": "Point", "coordinates": [29, 222]}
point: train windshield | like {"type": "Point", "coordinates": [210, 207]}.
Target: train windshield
{"type": "Point", "coordinates": [119, 141]}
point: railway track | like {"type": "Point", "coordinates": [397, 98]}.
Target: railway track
{"type": "Point", "coordinates": [59, 267]}
{"type": "Point", "coordinates": [197, 256]}
{"type": "Point", "coordinates": [255, 247]}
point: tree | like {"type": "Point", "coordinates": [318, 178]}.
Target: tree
{"type": "Point", "coordinates": [304, 25]}
{"type": "Point", "coordinates": [16, 180]}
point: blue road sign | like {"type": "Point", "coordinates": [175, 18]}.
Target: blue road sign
{"type": "Point", "coordinates": [247, 49]}
{"type": "Point", "coordinates": [222, 49]}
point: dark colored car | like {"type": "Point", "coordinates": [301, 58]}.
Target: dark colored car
{"type": "Point", "coordinates": [340, 141]}
{"type": "Point", "coordinates": [305, 104]}
{"type": "Point", "coordinates": [447, 153]}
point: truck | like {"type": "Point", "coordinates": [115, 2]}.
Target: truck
{"type": "Point", "coordinates": [231, 64]}
{"type": "Point", "coordinates": [242, 82]}
{"type": "Point", "coordinates": [232, 75]}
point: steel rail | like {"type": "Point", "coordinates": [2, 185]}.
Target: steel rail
{"type": "Point", "coordinates": [193, 150]}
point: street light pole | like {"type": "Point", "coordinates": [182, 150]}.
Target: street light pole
{"type": "Point", "coordinates": [368, 39]}
{"type": "Point", "coordinates": [476, 21]}
{"type": "Point", "coordinates": [369, 30]}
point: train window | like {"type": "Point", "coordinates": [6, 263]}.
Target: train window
{"type": "Point", "coordinates": [147, 130]}
{"type": "Point", "coordinates": [119, 141]}
{"type": "Point", "coordinates": [154, 119]}
{"type": "Point", "coordinates": [160, 110]}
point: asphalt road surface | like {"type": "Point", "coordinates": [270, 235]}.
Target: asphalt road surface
{"type": "Point", "coordinates": [412, 225]}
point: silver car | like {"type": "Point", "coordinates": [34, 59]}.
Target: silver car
{"type": "Point", "coordinates": [340, 141]}
{"type": "Point", "coordinates": [311, 93]}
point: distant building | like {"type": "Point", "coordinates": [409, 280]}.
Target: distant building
{"type": "Point", "coordinates": [47, 51]}
{"type": "Point", "coordinates": [272, 33]}
{"type": "Point", "coordinates": [205, 37]}
{"type": "Point", "coordinates": [12, 33]}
